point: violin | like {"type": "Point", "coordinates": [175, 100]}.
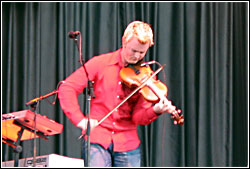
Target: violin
{"type": "Point", "coordinates": [151, 89]}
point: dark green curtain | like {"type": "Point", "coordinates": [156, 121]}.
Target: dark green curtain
{"type": "Point", "coordinates": [203, 44]}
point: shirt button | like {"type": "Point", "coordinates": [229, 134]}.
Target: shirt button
{"type": "Point", "coordinates": [119, 82]}
{"type": "Point", "coordinates": [113, 123]}
{"type": "Point", "coordinates": [113, 132]}
{"type": "Point", "coordinates": [118, 97]}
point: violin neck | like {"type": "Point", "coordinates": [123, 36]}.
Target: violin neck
{"type": "Point", "coordinates": [157, 91]}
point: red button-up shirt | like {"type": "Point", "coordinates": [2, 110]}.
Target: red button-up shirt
{"type": "Point", "coordinates": [120, 127]}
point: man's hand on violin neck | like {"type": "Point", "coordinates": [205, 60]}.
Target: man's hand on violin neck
{"type": "Point", "coordinates": [164, 107]}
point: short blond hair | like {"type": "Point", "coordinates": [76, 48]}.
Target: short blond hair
{"type": "Point", "coordinates": [140, 30]}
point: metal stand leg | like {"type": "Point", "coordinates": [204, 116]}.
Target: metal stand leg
{"type": "Point", "coordinates": [17, 148]}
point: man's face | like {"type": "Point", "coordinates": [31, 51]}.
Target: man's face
{"type": "Point", "coordinates": [133, 51]}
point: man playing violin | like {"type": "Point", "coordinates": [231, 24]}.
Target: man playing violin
{"type": "Point", "coordinates": [114, 141]}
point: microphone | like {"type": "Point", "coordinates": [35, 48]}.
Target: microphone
{"type": "Point", "coordinates": [41, 97]}
{"type": "Point", "coordinates": [148, 63]}
{"type": "Point", "coordinates": [73, 34]}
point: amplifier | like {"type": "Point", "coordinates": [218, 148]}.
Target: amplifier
{"type": "Point", "coordinates": [51, 160]}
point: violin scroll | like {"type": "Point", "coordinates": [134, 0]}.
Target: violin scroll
{"type": "Point", "coordinates": [178, 119]}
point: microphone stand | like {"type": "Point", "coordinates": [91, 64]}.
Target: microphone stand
{"type": "Point", "coordinates": [34, 103]}
{"type": "Point", "coordinates": [90, 93]}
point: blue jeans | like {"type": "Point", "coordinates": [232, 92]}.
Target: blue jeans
{"type": "Point", "coordinates": [100, 157]}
